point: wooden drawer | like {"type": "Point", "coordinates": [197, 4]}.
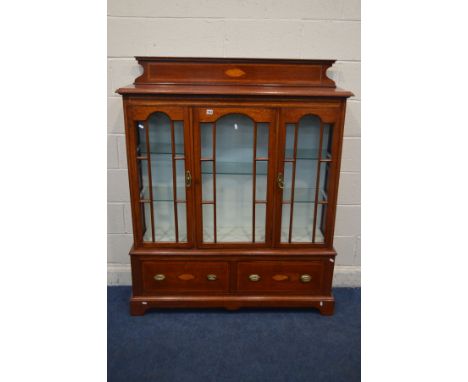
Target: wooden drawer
{"type": "Point", "coordinates": [184, 276]}
{"type": "Point", "coordinates": [280, 276]}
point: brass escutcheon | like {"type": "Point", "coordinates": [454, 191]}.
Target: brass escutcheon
{"type": "Point", "coordinates": [159, 277]}
{"type": "Point", "coordinates": [280, 180]}
{"type": "Point", "coordinates": [188, 178]}
{"type": "Point", "coordinates": [211, 277]}
{"type": "Point", "coordinates": [254, 277]}
{"type": "Point", "coordinates": [306, 278]}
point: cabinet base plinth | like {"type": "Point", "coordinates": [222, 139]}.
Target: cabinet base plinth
{"type": "Point", "coordinates": [325, 304]}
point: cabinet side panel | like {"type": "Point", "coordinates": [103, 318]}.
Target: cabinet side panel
{"type": "Point", "coordinates": [130, 141]}
{"type": "Point", "coordinates": [336, 153]}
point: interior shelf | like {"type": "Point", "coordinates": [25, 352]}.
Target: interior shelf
{"type": "Point", "coordinates": [235, 168]}
{"type": "Point", "coordinates": [237, 235]}
{"type": "Point", "coordinates": [307, 195]}
{"type": "Point", "coordinates": [163, 193]}
{"type": "Point", "coordinates": [302, 235]}
{"type": "Point", "coordinates": [162, 149]}
{"type": "Point", "coordinates": [304, 154]}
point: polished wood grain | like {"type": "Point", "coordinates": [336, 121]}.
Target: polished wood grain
{"type": "Point", "coordinates": [198, 274]}
{"type": "Point", "coordinates": [267, 270]}
{"type": "Point", "coordinates": [233, 90]}
{"type": "Point", "coordinates": [139, 305]}
{"type": "Point", "coordinates": [182, 276]}
{"type": "Point", "coordinates": [265, 115]}
{"type": "Point", "coordinates": [137, 114]}
{"type": "Point", "coordinates": [212, 71]}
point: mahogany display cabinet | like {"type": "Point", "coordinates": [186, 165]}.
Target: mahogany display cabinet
{"type": "Point", "coordinates": [233, 170]}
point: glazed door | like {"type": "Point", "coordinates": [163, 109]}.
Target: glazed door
{"type": "Point", "coordinates": [305, 179]}
{"type": "Point", "coordinates": [234, 164]}
{"type": "Point", "coordinates": [161, 177]}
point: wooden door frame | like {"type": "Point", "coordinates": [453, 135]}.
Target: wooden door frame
{"type": "Point", "coordinates": [253, 112]}
{"type": "Point", "coordinates": [136, 113]}
{"type": "Point", "coordinates": [330, 115]}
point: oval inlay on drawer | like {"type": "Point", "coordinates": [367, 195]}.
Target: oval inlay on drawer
{"type": "Point", "coordinates": [280, 277]}
{"type": "Point", "coordinates": [236, 72]}
{"type": "Point", "coordinates": [186, 276]}
{"type": "Point", "coordinates": [294, 276]}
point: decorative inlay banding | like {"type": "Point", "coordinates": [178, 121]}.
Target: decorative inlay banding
{"type": "Point", "coordinates": [280, 277]}
{"type": "Point", "coordinates": [236, 72]}
{"type": "Point", "coordinates": [186, 276]}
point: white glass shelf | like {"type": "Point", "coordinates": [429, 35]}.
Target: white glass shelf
{"type": "Point", "coordinates": [235, 168]}
{"type": "Point", "coordinates": [307, 195]}
{"type": "Point", "coordinates": [163, 193]}
{"type": "Point", "coordinates": [302, 235]}
{"type": "Point", "coordinates": [162, 149]}
{"type": "Point", "coordinates": [234, 235]}
{"type": "Point", "coordinates": [304, 154]}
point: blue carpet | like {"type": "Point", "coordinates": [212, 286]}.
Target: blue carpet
{"type": "Point", "coordinates": [288, 345]}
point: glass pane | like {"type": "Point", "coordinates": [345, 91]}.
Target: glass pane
{"type": "Point", "coordinates": [207, 181]}
{"type": "Point", "coordinates": [288, 166]}
{"type": "Point", "coordinates": [162, 187]}
{"type": "Point", "coordinates": [180, 179]}
{"type": "Point", "coordinates": [234, 196]}
{"type": "Point", "coordinates": [261, 180]}
{"type": "Point", "coordinates": [327, 141]}
{"type": "Point", "coordinates": [323, 184]}
{"type": "Point", "coordinates": [321, 218]}
{"type": "Point", "coordinates": [303, 222]}
{"type": "Point", "coordinates": [206, 140]}
{"type": "Point", "coordinates": [146, 223]}
{"type": "Point", "coordinates": [260, 222]}
{"type": "Point", "coordinates": [208, 223]}
{"type": "Point", "coordinates": [234, 168]}
{"type": "Point", "coordinates": [161, 175]}
{"type": "Point", "coordinates": [182, 219]}
{"type": "Point", "coordinates": [161, 157]}
{"type": "Point", "coordinates": [164, 222]}
{"type": "Point", "coordinates": [262, 140]}
{"type": "Point", "coordinates": [141, 138]}
{"type": "Point", "coordinates": [305, 182]}
{"type": "Point", "coordinates": [285, 215]}
{"type": "Point", "coordinates": [179, 137]}
{"type": "Point", "coordinates": [160, 133]}
{"type": "Point", "coordinates": [306, 178]}
{"type": "Point", "coordinates": [289, 147]}
{"type": "Point", "coordinates": [308, 138]}
{"type": "Point", "coordinates": [143, 175]}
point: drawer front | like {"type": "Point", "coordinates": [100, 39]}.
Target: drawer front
{"type": "Point", "coordinates": [280, 276]}
{"type": "Point", "coordinates": [184, 276]}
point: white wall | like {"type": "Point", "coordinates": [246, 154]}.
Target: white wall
{"type": "Point", "coordinates": [235, 28]}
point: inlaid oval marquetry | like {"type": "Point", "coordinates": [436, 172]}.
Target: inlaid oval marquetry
{"type": "Point", "coordinates": [186, 276]}
{"type": "Point", "coordinates": [280, 277]}
{"type": "Point", "coordinates": [236, 72]}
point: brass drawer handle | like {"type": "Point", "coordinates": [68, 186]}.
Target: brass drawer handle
{"type": "Point", "coordinates": [254, 278]}
{"type": "Point", "coordinates": [280, 180]}
{"type": "Point", "coordinates": [306, 278]}
{"type": "Point", "coordinates": [188, 178]}
{"type": "Point", "coordinates": [159, 277]}
{"type": "Point", "coordinates": [211, 277]}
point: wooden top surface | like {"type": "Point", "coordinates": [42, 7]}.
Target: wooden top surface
{"type": "Point", "coordinates": [292, 91]}
{"type": "Point", "coordinates": [234, 76]}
